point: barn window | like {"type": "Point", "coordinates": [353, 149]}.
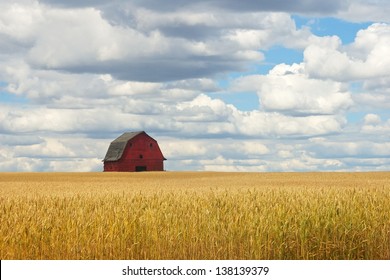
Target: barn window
{"type": "Point", "coordinates": [130, 144]}
{"type": "Point", "coordinates": [151, 145]}
{"type": "Point", "coordinates": [141, 156]}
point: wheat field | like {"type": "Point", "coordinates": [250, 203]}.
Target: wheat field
{"type": "Point", "coordinates": [195, 215]}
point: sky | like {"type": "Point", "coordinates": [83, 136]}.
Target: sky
{"type": "Point", "coordinates": [221, 85]}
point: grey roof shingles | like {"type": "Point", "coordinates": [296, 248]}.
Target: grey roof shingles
{"type": "Point", "coordinates": [117, 146]}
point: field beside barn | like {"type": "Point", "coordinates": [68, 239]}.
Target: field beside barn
{"type": "Point", "coordinates": [195, 215]}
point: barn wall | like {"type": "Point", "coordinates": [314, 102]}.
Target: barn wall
{"type": "Point", "coordinates": [131, 165]}
{"type": "Point", "coordinates": [110, 166]}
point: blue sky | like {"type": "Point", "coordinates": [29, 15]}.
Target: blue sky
{"type": "Point", "coordinates": [329, 26]}
{"type": "Point", "coordinates": [262, 86]}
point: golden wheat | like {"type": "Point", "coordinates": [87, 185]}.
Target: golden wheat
{"type": "Point", "coordinates": [184, 215]}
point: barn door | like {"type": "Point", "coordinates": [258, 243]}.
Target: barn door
{"type": "Point", "coordinates": [140, 168]}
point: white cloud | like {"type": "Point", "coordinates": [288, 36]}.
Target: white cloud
{"type": "Point", "coordinates": [96, 46]}
{"type": "Point", "coordinates": [40, 119]}
{"type": "Point", "coordinates": [373, 100]}
{"type": "Point", "coordinates": [203, 108]}
{"type": "Point", "coordinates": [51, 153]}
{"type": "Point", "coordinates": [93, 41]}
{"type": "Point", "coordinates": [155, 46]}
{"type": "Point", "coordinates": [366, 10]}
{"type": "Point", "coordinates": [20, 22]}
{"type": "Point", "coordinates": [50, 148]}
{"type": "Point", "coordinates": [132, 88]}
{"type": "Point", "coordinates": [251, 148]}
{"type": "Point", "coordinates": [370, 119]}
{"type": "Point", "coordinates": [374, 125]}
{"type": "Point", "coordinates": [289, 90]}
{"type": "Point", "coordinates": [367, 57]}
{"type": "Point", "coordinates": [299, 6]}
{"type": "Point", "coordinates": [45, 86]}
{"type": "Point", "coordinates": [300, 162]}
{"type": "Point", "coordinates": [257, 123]}
{"type": "Point", "coordinates": [362, 149]}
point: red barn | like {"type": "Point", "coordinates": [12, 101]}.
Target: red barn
{"type": "Point", "coordinates": [134, 151]}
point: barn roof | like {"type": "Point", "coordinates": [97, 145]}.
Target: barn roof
{"type": "Point", "coordinates": [117, 146]}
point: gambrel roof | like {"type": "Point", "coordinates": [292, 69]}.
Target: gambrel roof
{"type": "Point", "coordinates": [115, 151]}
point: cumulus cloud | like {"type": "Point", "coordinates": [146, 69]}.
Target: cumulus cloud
{"type": "Point", "coordinates": [353, 10]}
{"type": "Point", "coordinates": [365, 58]}
{"type": "Point", "coordinates": [372, 119]}
{"type": "Point", "coordinates": [245, 5]}
{"type": "Point", "coordinates": [374, 125]}
{"type": "Point", "coordinates": [50, 153]}
{"type": "Point", "coordinates": [373, 100]}
{"type": "Point", "coordinates": [366, 10]}
{"type": "Point", "coordinates": [150, 46]}
{"type": "Point", "coordinates": [288, 89]}
{"type": "Point", "coordinates": [360, 149]}
{"type": "Point", "coordinates": [96, 46]}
